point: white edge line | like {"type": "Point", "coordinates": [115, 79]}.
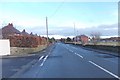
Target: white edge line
{"type": "Point", "coordinates": [41, 58]}
{"type": "Point", "coordinates": [105, 70]}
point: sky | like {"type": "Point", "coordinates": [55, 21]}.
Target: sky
{"type": "Point", "coordinates": [63, 17]}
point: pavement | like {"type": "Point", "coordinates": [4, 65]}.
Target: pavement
{"type": "Point", "coordinates": [11, 64]}
{"type": "Point", "coordinates": [62, 61]}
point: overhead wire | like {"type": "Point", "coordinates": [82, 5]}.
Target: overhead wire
{"type": "Point", "coordinates": [57, 9]}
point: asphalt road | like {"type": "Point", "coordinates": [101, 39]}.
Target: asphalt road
{"type": "Point", "coordinates": [62, 61]}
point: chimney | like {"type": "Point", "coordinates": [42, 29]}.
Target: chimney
{"type": "Point", "coordinates": [10, 24]}
{"type": "Point", "coordinates": [23, 30]}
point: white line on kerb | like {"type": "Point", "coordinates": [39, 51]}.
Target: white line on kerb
{"type": "Point", "coordinates": [41, 58]}
{"type": "Point", "coordinates": [105, 70]}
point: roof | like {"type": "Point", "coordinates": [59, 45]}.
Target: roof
{"type": "Point", "coordinates": [9, 29]}
{"type": "Point", "coordinates": [24, 32]}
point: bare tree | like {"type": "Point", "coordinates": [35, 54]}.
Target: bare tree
{"type": "Point", "coordinates": [95, 37]}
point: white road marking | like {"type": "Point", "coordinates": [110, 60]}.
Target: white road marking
{"type": "Point", "coordinates": [105, 70]}
{"type": "Point", "coordinates": [41, 58]}
{"type": "Point", "coordinates": [75, 53]}
{"type": "Point", "coordinates": [79, 55]}
{"type": "Point", "coordinates": [41, 64]}
{"type": "Point", "coordinates": [44, 61]}
{"type": "Point", "coordinates": [70, 50]}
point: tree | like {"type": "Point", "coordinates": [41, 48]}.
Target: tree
{"type": "Point", "coordinates": [51, 40]}
{"type": "Point", "coordinates": [95, 37]}
{"type": "Point", "coordinates": [68, 39]}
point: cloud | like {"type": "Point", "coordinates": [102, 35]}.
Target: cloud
{"type": "Point", "coordinates": [105, 30]}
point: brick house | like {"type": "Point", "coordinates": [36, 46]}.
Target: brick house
{"type": "Point", "coordinates": [21, 39]}
{"type": "Point", "coordinates": [9, 30]}
{"type": "Point", "coordinates": [81, 38]}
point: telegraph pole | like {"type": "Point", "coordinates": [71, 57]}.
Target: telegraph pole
{"type": "Point", "coordinates": [75, 34]}
{"type": "Point", "coordinates": [47, 29]}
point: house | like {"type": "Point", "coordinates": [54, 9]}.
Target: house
{"type": "Point", "coordinates": [21, 39]}
{"type": "Point", "coordinates": [9, 30]}
{"type": "Point", "coordinates": [82, 39]}
{"type": "Point", "coordinates": [24, 33]}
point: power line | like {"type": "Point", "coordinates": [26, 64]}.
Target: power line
{"type": "Point", "coordinates": [57, 9]}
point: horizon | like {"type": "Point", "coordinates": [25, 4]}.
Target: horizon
{"type": "Point", "coordinates": [60, 36]}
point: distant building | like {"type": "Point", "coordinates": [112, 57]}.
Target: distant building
{"type": "Point", "coordinates": [112, 39]}
{"type": "Point", "coordinates": [82, 39]}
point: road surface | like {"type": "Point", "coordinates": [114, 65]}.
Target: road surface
{"type": "Point", "coordinates": [62, 61]}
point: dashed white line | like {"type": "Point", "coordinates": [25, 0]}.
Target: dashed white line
{"type": "Point", "coordinates": [41, 58]}
{"type": "Point", "coordinates": [105, 70]}
{"type": "Point", "coordinates": [75, 53]}
{"type": "Point", "coordinates": [79, 55]}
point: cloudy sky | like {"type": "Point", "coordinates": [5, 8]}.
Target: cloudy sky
{"type": "Point", "coordinates": [87, 17]}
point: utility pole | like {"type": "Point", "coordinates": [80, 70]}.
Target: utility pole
{"type": "Point", "coordinates": [75, 34]}
{"type": "Point", "coordinates": [47, 29]}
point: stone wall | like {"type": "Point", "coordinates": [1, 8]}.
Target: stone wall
{"type": "Point", "coordinates": [21, 51]}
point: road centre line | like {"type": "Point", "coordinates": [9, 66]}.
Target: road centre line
{"type": "Point", "coordinates": [75, 53]}
{"type": "Point", "coordinates": [114, 75]}
{"type": "Point", "coordinates": [79, 55]}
